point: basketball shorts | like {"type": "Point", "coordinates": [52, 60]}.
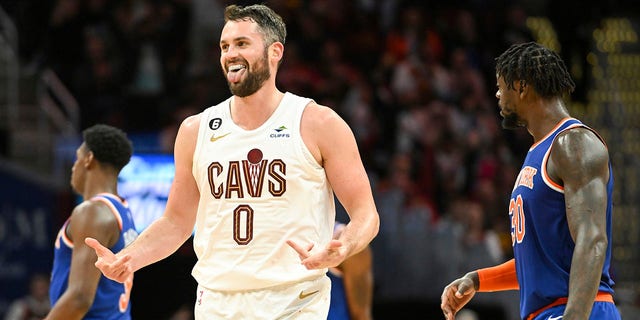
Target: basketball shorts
{"type": "Point", "coordinates": [307, 300]}
{"type": "Point", "coordinates": [601, 311]}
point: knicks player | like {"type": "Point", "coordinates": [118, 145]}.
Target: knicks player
{"type": "Point", "coordinates": [351, 285]}
{"type": "Point", "coordinates": [78, 290]}
{"type": "Point", "coordinates": [560, 207]}
{"type": "Point", "coordinates": [256, 176]}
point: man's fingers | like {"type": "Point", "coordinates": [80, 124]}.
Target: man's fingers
{"type": "Point", "coordinates": [443, 297]}
{"type": "Point", "coordinates": [447, 301]}
{"type": "Point", "coordinates": [118, 270]}
{"type": "Point", "coordinates": [113, 267]}
{"type": "Point", "coordinates": [310, 246]}
{"type": "Point", "coordinates": [123, 270]}
{"type": "Point", "coordinates": [334, 245]}
{"type": "Point", "coordinates": [463, 289]}
{"type": "Point", "coordinates": [302, 252]}
{"type": "Point", "coordinates": [126, 258]}
{"type": "Point", "coordinates": [448, 315]}
{"type": "Point", "coordinates": [321, 258]}
{"type": "Point", "coordinates": [101, 251]}
{"type": "Point", "coordinates": [446, 310]}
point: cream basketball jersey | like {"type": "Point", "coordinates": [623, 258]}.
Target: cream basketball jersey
{"type": "Point", "coordinates": [258, 188]}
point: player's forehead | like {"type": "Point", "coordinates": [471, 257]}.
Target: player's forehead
{"type": "Point", "coordinates": [240, 29]}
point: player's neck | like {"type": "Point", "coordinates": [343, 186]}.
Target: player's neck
{"type": "Point", "coordinates": [99, 184]}
{"type": "Point", "coordinates": [252, 111]}
{"type": "Point", "coordinates": [548, 115]}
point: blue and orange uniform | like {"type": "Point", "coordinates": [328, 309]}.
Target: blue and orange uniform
{"type": "Point", "coordinates": [112, 298]}
{"type": "Point", "coordinates": [542, 244]}
{"type": "Point", "coordinates": [338, 308]}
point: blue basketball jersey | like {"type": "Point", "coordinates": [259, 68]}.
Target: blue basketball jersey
{"type": "Point", "coordinates": [543, 247]}
{"type": "Point", "coordinates": [112, 298]}
{"type": "Point", "coordinates": [338, 309]}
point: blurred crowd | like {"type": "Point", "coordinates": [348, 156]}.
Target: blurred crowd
{"type": "Point", "coordinates": [414, 79]}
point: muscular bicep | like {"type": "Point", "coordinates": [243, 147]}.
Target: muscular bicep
{"type": "Point", "coordinates": [579, 159]}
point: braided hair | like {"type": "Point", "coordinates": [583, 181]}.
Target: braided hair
{"type": "Point", "coordinates": [109, 145]}
{"type": "Point", "coordinates": [536, 66]}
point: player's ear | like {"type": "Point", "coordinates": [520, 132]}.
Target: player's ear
{"type": "Point", "coordinates": [276, 51]}
{"type": "Point", "coordinates": [523, 87]}
{"type": "Point", "coordinates": [89, 159]}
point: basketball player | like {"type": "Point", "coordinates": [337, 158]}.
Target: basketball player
{"type": "Point", "coordinates": [351, 285]}
{"type": "Point", "coordinates": [560, 207]}
{"type": "Point", "coordinates": [78, 290]}
{"type": "Point", "coordinates": [256, 175]}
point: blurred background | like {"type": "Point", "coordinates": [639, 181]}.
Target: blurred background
{"type": "Point", "coordinates": [414, 79]}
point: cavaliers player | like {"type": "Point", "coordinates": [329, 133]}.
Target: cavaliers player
{"type": "Point", "coordinates": [256, 176]}
{"type": "Point", "coordinates": [78, 290]}
{"type": "Point", "coordinates": [560, 207]}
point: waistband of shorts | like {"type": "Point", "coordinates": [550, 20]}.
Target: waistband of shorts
{"type": "Point", "coordinates": [277, 287]}
{"type": "Point", "coordinates": [601, 297]}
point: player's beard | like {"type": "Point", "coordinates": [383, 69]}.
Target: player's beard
{"type": "Point", "coordinates": [254, 79]}
{"type": "Point", "coordinates": [511, 121]}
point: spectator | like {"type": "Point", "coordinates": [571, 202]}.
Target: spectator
{"type": "Point", "coordinates": [35, 305]}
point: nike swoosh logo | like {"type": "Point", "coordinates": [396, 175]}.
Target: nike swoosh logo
{"type": "Point", "coordinates": [554, 318]}
{"type": "Point", "coordinates": [303, 295]}
{"type": "Point", "coordinates": [214, 138]}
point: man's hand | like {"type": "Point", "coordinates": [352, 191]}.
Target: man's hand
{"type": "Point", "coordinates": [456, 295]}
{"type": "Point", "coordinates": [331, 256]}
{"type": "Point", "coordinates": [117, 268]}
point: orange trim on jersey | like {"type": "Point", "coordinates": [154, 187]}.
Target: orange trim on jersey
{"type": "Point", "coordinates": [63, 234]}
{"type": "Point", "coordinates": [112, 207]}
{"type": "Point", "coordinates": [498, 278]}
{"type": "Point", "coordinates": [600, 297]}
{"type": "Point", "coordinates": [545, 176]}
{"type": "Point", "coordinates": [550, 132]}
{"type": "Point", "coordinates": [111, 195]}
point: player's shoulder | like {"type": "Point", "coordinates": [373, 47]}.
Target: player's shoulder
{"type": "Point", "coordinates": [579, 141]}
{"type": "Point", "coordinates": [191, 124]}
{"type": "Point", "coordinates": [192, 120]}
{"type": "Point", "coordinates": [320, 117]}
{"type": "Point", "coordinates": [96, 211]}
{"type": "Point", "coordinates": [579, 148]}
{"type": "Point", "coordinates": [319, 109]}
{"type": "Point", "coordinates": [88, 205]}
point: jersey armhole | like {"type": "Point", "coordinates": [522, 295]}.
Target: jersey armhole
{"type": "Point", "coordinates": [303, 150]}
{"type": "Point", "coordinates": [545, 174]}
{"type": "Point", "coordinates": [112, 208]}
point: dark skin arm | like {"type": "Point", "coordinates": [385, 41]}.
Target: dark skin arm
{"type": "Point", "coordinates": [358, 283]}
{"type": "Point", "coordinates": [89, 219]}
{"type": "Point", "coordinates": [579, 160]}
{"type": "Point", "coordinates": [357, 275]}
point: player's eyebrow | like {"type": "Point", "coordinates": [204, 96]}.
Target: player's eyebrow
{"type": "Point", "coordinates": [235, 39]}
